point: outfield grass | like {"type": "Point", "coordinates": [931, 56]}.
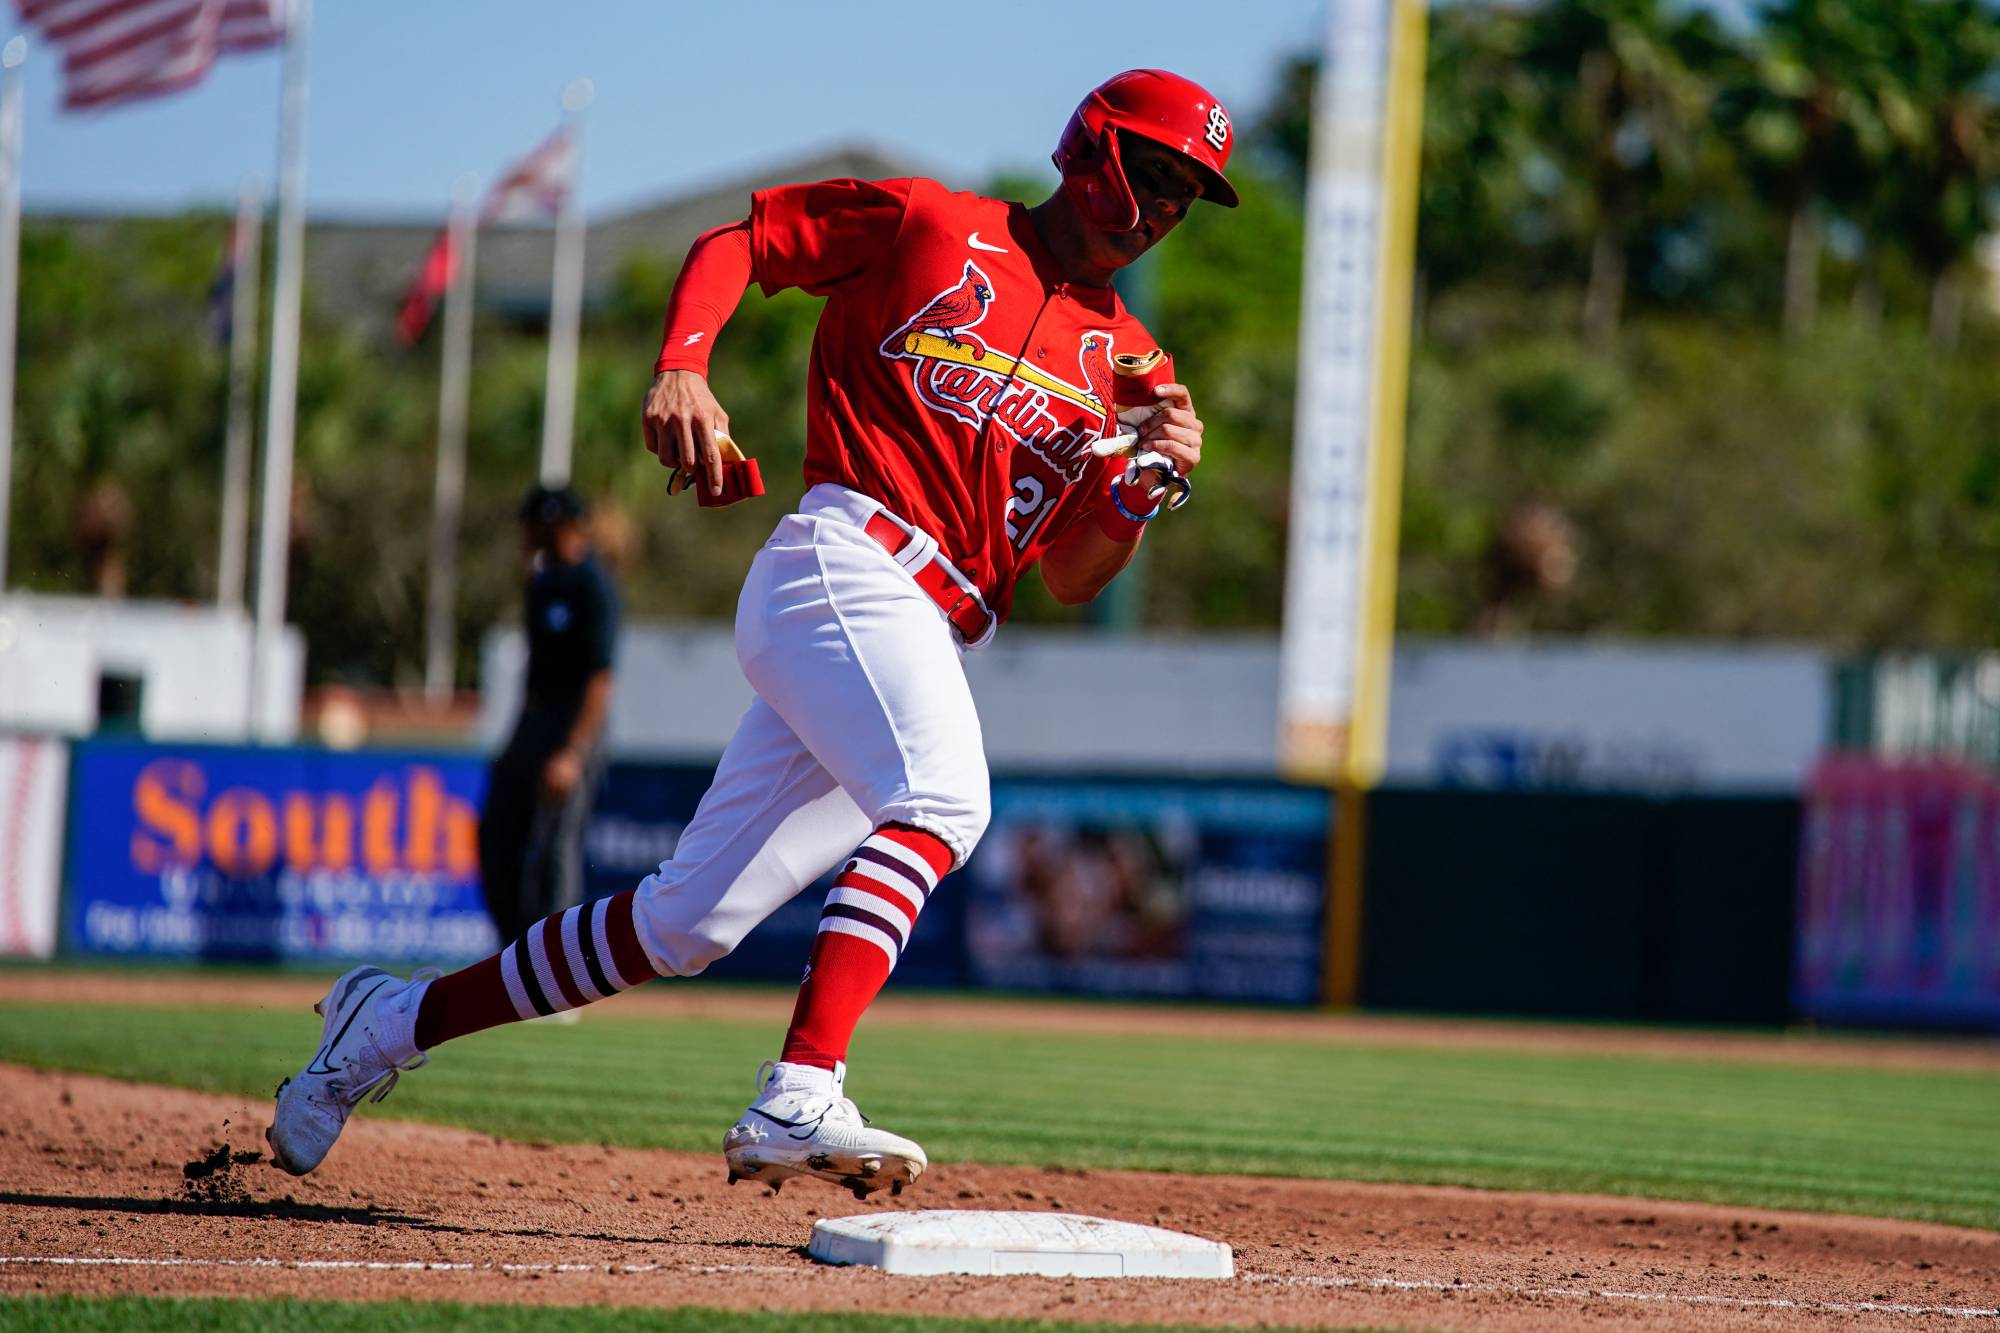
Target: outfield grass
{"type": "Point", "coordinates": [1893, 1143]}
{"type": "Point", "coordinates": [131, 1314]}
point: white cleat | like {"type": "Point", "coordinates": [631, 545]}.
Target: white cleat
{"type": "Point", "coordinates": [366, 1040]}
{"type": "Point", "coordinates": [801, 1125]}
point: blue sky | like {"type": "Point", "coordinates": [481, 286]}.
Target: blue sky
{"type": "Point", "coordinates": [407, 96]}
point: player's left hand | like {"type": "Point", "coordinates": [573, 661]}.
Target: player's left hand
{"type": "Point", "coordinates": [1161, 445]}
{"type": "Point", "coordinates": [1173, 431]}
{"type": "Point", "coordinates": [562, 773]}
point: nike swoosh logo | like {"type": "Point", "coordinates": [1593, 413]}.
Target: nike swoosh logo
{"type": "Point", "coordinates": [807, 1125]}
{"type": "Point", "coordinates": [320, 1059]}
{"type": "Point", "coordinates": [977, 244]}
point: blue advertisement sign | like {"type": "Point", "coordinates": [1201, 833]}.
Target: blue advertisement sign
{"type": "Point", "coordinates": [1158, 889]}
{"type": "Point", "coordinates": [203, 852]}
{"type": "Point", "coordinates": [1109, 887]}
{"type": "Point", "coordinates": [641, 811]}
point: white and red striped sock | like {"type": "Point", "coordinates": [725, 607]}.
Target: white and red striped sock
{"type": "Point", "coordinates": [863, 929]}
{"type": "Point", "coordinates": [564, 961]}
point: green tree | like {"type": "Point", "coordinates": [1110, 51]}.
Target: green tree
{"type": "Point", "coordinates": [1935, 94]}
{"type": "Point", "coordinates": [1228, 309]}
{"type": "Point", "coordinates": [1622, 108]}
{"type": "Point", "coordinates": [1803, 130]}
{"type": "Point", "coordinates": [1475, 203]}
{"type": "Point", "coordinates": [119, 405]}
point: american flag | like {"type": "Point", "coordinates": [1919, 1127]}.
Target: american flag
{"type": "Point", "coordinates": [537, 184]}
{"type": "Point", "coordinates": [122, 50]}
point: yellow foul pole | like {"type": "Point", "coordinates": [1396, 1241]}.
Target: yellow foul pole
{"type": "Point", "coordinates": [1364, 754]}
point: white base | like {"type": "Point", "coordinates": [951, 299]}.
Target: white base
{"type": "Point", "coordinates": [998, 1244]}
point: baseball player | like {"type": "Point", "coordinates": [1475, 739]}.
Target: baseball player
{"type": "Point", "coordinates": [967, 419]}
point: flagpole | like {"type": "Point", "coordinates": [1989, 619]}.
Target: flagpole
{"type": "Point", "coordinates": [454, 386]}
{"type": "Point", "coordinates": [565, 303]}
{"type": "Point", "coordinates": [246, 264]}
{"type": "Point", "coordinates": [10, 266]}
{"type": "Point", "coordinates": [275, 525]}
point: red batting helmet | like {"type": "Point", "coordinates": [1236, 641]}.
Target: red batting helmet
{"type": "Point", "coordinates": [1163, 107]}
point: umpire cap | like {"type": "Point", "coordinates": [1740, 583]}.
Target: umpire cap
{"type": "Point", "coordinates": [546, 506]}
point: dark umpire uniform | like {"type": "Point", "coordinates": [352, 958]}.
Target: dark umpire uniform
{"type": "Point", "coordinates": [540, 789]}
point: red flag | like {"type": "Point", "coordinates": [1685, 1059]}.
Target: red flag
{"type": "Point", "coordinates": [434, 275]}
{"type": "Point", "coordinates": [122, 50]}
{"type": "Point", "coordinates": [535, 185]}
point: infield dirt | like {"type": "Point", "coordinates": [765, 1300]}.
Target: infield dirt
{"type": "Point", "coordinates": [153, 1190]}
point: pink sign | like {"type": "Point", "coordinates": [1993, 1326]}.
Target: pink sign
{"type": "Point", "coordinates": [1899, 893]}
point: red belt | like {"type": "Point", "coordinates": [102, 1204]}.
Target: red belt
{"type": "Point", "coordinates": [962, 605]}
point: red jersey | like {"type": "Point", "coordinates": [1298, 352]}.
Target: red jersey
{"type": "Point", "coordinates": [956, 377]}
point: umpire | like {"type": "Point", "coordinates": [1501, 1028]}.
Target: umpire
{"type": "Point", "coordinates": [539, 792]}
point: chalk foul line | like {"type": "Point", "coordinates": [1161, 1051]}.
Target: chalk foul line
{"type": "Point", "coordinates": [1652, 1297]}
{"type": "Point", "coordinates": [1265, 1279]}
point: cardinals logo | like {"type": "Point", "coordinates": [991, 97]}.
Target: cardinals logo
{"type": "Point", "coordinates": [952, 312]}
{"type": "Point", "coordinates": [1095, 358]}
{"type": "Point", "coordinates": [957, 373]}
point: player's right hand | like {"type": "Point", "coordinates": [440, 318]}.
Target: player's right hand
{"type": "Point", "coordinates": [682, 421]}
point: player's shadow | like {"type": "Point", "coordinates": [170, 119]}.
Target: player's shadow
{"type": "Point", "coordinates": [290, 1210]}
{"type": "Point", "coordinates": [274, 1209]}
{"type": "Point", "coordinates": [620, 1238]}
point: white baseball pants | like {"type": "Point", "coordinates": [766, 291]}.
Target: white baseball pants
{"type": "Point", "coordinates": [862, 718]}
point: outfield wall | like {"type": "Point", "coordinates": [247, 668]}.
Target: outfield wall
{"type": "Point", "coordinates": [1523, 902]}
{"type": "Point", "coordinates": [1580, 905]}
{"type": "Point", "coordinates": [1607, 716]}
{"type": "Point", "coordinates": [1602, 906]}
{"type": "Point", "coordinates": [1198, 890]}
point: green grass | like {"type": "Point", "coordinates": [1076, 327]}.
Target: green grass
{"type": "Point", "coordinates": [130, 1314]}
{"type": "Point", "coordinates": [1892, 1143]}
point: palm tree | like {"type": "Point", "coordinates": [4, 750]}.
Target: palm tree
{"type": "Point", "coordinates": [1923, 74]}
{"type": "Point", "coordinates": [1800, 126]}
{"type": "Point", "coordinates": [1623, 107]}
{"type": "Point", "coordinates": [1953, 54]}
{"type": "Point", "coordinates": [1473, 192]}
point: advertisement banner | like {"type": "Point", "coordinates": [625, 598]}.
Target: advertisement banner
{"type": "Point", "coordinates": [216, 853]}
{"type": "Point", "coordinates": [1899, 894]}
{"type": "Point", "coordinates": [1150, 889]}
{"type": "Point", "coordinates": [1656, 717]}
{"type": "Point", "coordinates": [1117, 887]}
{"type": "Point", "coordinates": [640, 813]}
{"type": "Point", "coordinates": [33, 770]}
